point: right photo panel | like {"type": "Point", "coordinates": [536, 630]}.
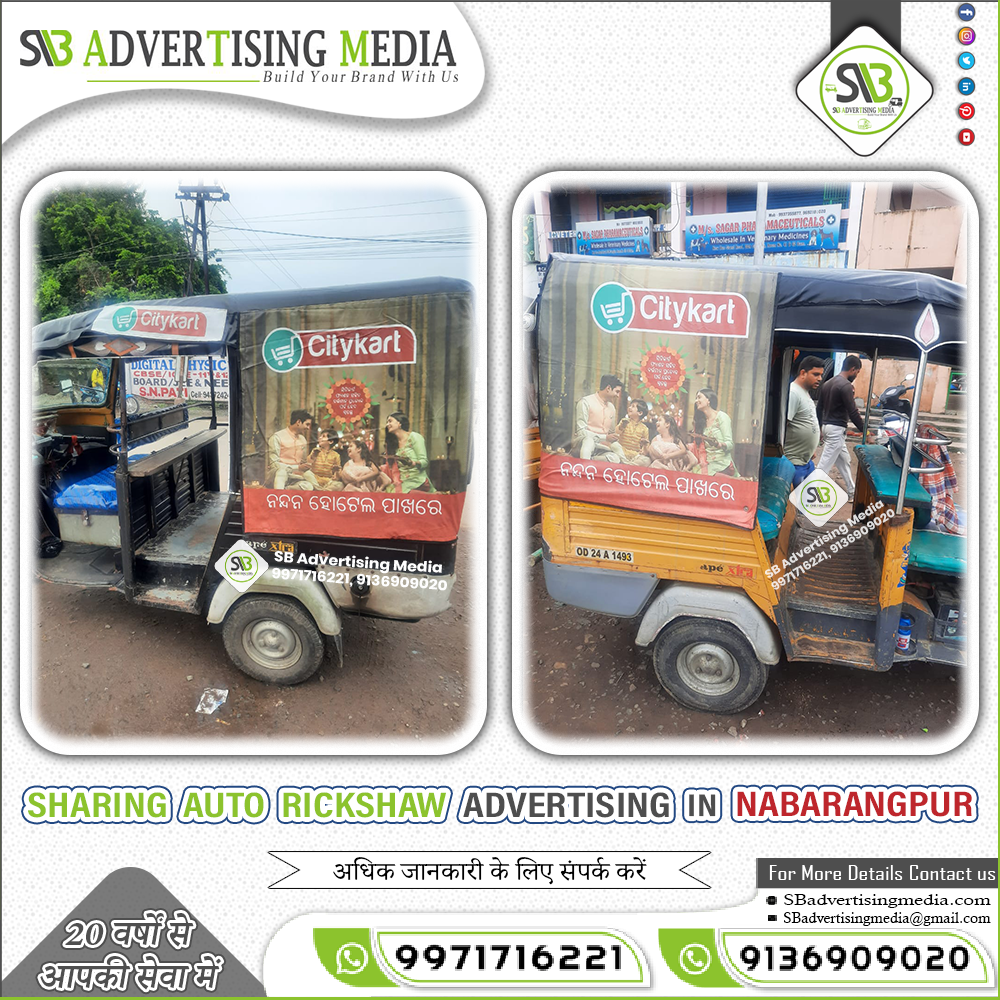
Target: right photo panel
{"type": "Point", "coordinates": [742, 430]}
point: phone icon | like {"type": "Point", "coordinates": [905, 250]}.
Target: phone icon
{"type": "Point", "coordinates": [352, 958]}
{"type": "Point", "coordinates": [695, 959]}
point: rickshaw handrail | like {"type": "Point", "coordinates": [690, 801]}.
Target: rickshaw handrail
{"type": "Point", "coordinates": [161, 459]}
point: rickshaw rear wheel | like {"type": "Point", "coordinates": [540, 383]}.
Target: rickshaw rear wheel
{"type": "Point", "coordinates": [273, 639]}
{"type": "Point", "coordinates": [709, 665]}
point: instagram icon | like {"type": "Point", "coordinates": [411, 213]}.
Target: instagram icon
{"type": "Point", "coordinates": [966, 35]}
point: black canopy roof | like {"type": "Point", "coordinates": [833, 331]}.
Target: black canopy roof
{"type": "Point", "coordinates": [852, 309]}
{"type": "Point", "coordinates": [54, 334]}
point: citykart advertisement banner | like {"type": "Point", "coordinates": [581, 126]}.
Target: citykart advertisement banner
{"type": "Point", "coordinates": [386, 384]}
{"type": "Point", "coordinates": [689, 347]}
{"type": "Point", "coordinates": [242, 779]}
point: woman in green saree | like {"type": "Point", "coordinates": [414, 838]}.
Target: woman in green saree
{"type": "Point", "coordinates": [411, 454]}
{"type": "Point", "coordinates": [714, 428]}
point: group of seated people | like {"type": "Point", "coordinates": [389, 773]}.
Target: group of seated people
{"type": "Point", "coordinates": [346, 463]}
{"type": "Point", "coordinates": [657, 441]}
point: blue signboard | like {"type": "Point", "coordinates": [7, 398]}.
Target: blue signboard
{"type": "Point", "coordinates": [810, 228]}
{"type": "Point", "coordinates": [615, 238]}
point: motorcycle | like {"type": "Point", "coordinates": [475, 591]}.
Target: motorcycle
{"type": "Point", "coordinates": [896, 415]}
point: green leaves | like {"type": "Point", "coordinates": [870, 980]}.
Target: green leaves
{"type": "Point", "coordinates": [97, 246]}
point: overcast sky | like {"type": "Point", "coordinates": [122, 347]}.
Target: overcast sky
{"type": "Point", "coordinates": [309, 230]}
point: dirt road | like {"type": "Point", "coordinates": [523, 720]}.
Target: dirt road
{"type": "Point", "coordinates": [106, 668]}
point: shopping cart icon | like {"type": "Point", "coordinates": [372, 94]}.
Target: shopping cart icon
{"type": "Point", "coordinates": [614, 312]}
{"type": "Point", "coordinates": [282, 350]}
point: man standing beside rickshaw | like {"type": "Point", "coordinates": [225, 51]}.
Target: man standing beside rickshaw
{"type": "Point", "coordinates": [801, 422]}
{"type": "Point", "coordinates": [837, 406]}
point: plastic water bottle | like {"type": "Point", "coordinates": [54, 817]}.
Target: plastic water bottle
{"type": "Point", "coordinates": [903, 634]}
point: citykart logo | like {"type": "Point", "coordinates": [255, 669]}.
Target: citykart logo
{"type": "Point", "coordinates": [818, 497]}
{"type": "Point", "coordinates": [685, 312]}
{"type": "Point", "coordinates": [864, 91]}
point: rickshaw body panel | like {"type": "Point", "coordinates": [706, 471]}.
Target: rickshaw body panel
{"type": "Point", "coordinates": [690, 553]}
{"type": "Point", "coordinates": [667, 546]}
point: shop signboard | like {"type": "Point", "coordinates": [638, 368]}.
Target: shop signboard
{"type": "Point", "coordinates": [615, 238]}
{"type": "Point", "coordinates": [176, 377]}
{"type": "Point", "coordinates": [813, 227]}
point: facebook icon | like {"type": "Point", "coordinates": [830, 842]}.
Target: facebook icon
{"type": "Point", "coordinates": [966, 12]}
{"type": "Point", "coordinates": [966, 60]}
{"type": "Point", "coordinates": [966, 85]}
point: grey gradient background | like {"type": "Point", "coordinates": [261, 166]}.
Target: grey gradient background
{"type": "Point", "coordinates": [698, 87]}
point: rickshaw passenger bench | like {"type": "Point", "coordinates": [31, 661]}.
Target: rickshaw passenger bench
{"type": "Point", "coordinates": [776, 476]}
{"type": "Point", "coordinates": [930, 551]}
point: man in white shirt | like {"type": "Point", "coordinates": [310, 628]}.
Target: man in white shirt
{"type": "Point", "coordinates": [286, 454]}
{"type": "Point", "coordinates": [801, 422]}
{"type": "Point", "coordinates": [597, 422]}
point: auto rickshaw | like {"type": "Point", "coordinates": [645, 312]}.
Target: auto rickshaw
{"type": "Point", "coordinates": [693, 533]}
{"type": "Point", "coordinates": [349, 451]}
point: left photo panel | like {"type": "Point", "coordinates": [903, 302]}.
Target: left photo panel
{"type": "Point", "coordinates": [250, 512]}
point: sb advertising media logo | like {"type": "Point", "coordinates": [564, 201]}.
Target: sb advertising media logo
{"type": "Point", "coordinates": [818, 497]}
{"type": "Point", "coordinates": [864, 91]}
{"type": "Point", "coordinates": [241, 566]}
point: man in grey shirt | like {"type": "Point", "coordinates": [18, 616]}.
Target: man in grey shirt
{"type": "Point", "coordinates": [801, 422]}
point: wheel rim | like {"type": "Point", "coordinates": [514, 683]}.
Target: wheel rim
{"type": "Point", "coordinates": [272, 644]}
{"type": "Point", "coordinates": [708, 668]}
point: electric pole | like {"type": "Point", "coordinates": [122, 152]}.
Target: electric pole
{"type": "Point", "coordinates": [199, 194]}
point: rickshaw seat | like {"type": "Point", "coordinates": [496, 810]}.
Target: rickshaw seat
{"type": "Point", "coordinates": [776, 476]}
{"type": "Point", "coordinates": [883, 474]}
{"type": "Point", "coordinates": [94, 492]}
{"type": "Point", "coordinates": [938, 552]}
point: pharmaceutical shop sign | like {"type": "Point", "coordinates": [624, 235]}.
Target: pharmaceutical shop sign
{"type": "Point", "coordinates": [810, 228]}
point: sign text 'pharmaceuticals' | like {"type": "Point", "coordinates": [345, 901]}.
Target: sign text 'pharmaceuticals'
{"type": "Point", "coordinates": [615, 237]}
{"type": "Point", "coordinates": [814, 227]}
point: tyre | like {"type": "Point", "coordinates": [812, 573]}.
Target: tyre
{"type": "Point", "coordinates": [709, 666]}
{"type": "Point", "coordinates": [273, 639]}
{"type": "Point", "coordinates": [50, 547]}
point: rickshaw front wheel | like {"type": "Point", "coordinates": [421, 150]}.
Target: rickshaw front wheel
{"type": "Point", "coordinates": [709, 666]}
{"type": "Point", "coordinates": [273, 639]}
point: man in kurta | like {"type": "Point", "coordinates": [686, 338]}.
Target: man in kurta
{"type": "Point", "coordinates": [596, 422]}
{"type": "Point", "coordinates": [287, 466]}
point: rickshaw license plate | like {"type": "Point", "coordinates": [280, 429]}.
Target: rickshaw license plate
{"type": "Point", "coordinates": [612, 555]}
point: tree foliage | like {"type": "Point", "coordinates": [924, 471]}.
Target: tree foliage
{"type": "Point", "coordinates": [95, 246]}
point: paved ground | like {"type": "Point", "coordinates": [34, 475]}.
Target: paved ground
{"type": "Point", "coordinates": [587, 678]}
{"type": "Point", "coordinates": [106, 668]}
